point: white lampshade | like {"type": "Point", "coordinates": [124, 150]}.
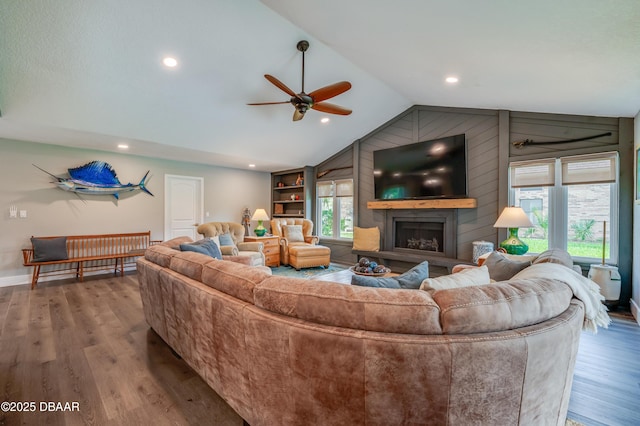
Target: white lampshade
{"type": "Point", "coordinates": [260, 214]}
{"type": "Point", "coordinates": [513, 217]}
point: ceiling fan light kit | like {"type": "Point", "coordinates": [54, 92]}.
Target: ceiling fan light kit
{"type": "Point", "coordinates": [302, 101]}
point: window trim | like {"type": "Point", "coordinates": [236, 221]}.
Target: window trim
{"type": "Point", "coordinates": [558, 202]}
{"type": "Point", "coordinates": [336, 208]}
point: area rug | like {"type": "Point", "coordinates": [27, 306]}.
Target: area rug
{"type": "Point", "coordinates": [570, 422]}
{"type": "Point", "coordinates": [308, 273]}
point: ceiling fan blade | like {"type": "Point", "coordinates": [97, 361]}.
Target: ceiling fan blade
{"type": "Point", "coordinates": [331, 108]}
{"type": "Point", "coordinates": [280, 85]}
{"type": "Point", "coordinates": [330, 91]}
{"type": "Point", "coordinates": [297, 115]}
{"type": "Point", "coordinates": [269, 103]}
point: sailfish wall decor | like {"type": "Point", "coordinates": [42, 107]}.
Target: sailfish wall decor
{"type": "Point", "coordinates": [96, 178]}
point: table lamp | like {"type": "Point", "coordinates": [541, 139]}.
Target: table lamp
{"type": "Point", "coordinates": [513, 218]}
{"type": "Point", "coordinates": [260, 215]}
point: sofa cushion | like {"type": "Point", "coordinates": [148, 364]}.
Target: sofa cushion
{"type": "Point", "coordinates": [160, 254]}
{"type": "Point", "coordinates": [465, 278]}
{"type": "Point", "coordinates": [555, 256]}
{"type": "Point", "coordinates": [293, 233]}
{"type": "Point", "coordinates": [408, 280]}
{"type": "Point", "coordinates": [190, 264]}
{"type": "Point", "coordinates": [233, 278]}
{"type": "Point", "coordinates": [501, 306]}
{"type": "Point", "coordinates": [374, 309]}
{"type": "Point", "coordinates": [175, 242]}
{"type": "Point", "coordinates": [49, 249]}
{"type": "Point", "coordinates": [366, 239]}
{"type": "Point", "coordinates": [502, 268]}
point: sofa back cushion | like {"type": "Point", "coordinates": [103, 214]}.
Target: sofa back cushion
{"type": "Point", "coordinates": [190, 264]}
{"type": "Point", "coordinates": [160, 254]}
{"type": "Point", "coordinates": [501, 306]}
{"type": "Point", "coordinates": [363, 308]}
{"type": "Point", "coordinates": [233, 278]}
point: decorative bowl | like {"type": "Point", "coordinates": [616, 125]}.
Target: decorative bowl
{"type": "Point", "coordinates": [371, 274]}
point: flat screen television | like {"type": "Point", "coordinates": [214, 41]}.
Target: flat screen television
{"type": "Point", "coordinates": [429, 169]}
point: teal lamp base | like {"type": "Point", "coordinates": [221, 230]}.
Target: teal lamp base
{"type": "Point", "coordinates": [513, 244]}
{"type": "Point", "coordinates": [260, 230]}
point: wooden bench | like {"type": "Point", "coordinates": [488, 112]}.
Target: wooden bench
{"type": "Point", "coordinates": [92, 252]}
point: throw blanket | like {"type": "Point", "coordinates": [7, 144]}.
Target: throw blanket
{"type": "Point", "coordinates": [583, 288]}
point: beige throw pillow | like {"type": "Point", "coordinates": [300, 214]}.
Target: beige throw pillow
{"type": "Point", "coordinates": [293, 233]}
{"type": "Point", "coordinates": [465, 278]}
{"type": "Point", "coordinates": [366, 239]}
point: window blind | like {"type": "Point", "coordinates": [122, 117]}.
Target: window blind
{"type": "Point", "coordinates": [528, 174]}
{"type": "Point", "coordinates": [344, 188]}
{"type": "Point", "coordinates": [586, 169]}
{"type": "Point", "coordinates": [341, 188]}
{"type": "Point", "coordinates": [325, 189]}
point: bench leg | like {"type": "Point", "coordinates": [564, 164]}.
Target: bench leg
{"type": "Point", "coordinates": [81, 270]}
{"type": "Point", "coordinates": [34, 277]}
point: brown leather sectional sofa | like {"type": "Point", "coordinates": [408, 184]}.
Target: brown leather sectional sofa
{"type": "Point", "coordinates": [287, 351]}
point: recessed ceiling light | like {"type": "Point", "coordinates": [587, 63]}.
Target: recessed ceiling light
{"type": "Point", "coordinates": [252, 165]}
{"type": "Point", "coordinates": [324, 120]}
{"type": "Point", "coordinates": [170, 62]}
{"type": "Point", "coordinates": [123, 146]}
{"type": "Point", "coordinates": [451, 79]}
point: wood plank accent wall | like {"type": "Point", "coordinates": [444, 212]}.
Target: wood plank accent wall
{"type": "Point", "coordinates": [490, 134]}
{"type": "Point", "coordinates": [422, 123]}
{"type": "Point", "coordinates": [556, 128]}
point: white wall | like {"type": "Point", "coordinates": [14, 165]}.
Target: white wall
{"type": "Point", "coordinates": [635, 281]}
{"type": "Point", "coordinates": [51, 211]}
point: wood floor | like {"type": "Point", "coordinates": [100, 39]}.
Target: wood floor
{"type": "Point", "coordinates": [88, 343]}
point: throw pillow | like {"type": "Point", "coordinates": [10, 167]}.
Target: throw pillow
{"type": "Point", "coordinates": [226, 240]}
{"type": "Point", "coordinates": [366, 239]}
{"type": "Point", "coordinates": [555, 256]}
{"type": "Point", "coordinates": [465, 278]}
{"type": "Point", "coordinates": [380, 282]}
{"type": "Point", "coordinates": [204, 246]}
{"type": "Point", "coordinates": [409, 280]}
{"type": "Point", "coordinates": [501, 268]}
{"type": "Point", "coordinates": [47, 249]}
{"type": "Point", "coordinates": [293, 233]}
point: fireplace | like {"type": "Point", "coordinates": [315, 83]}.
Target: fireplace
{"type": "Point", "coordinates": [421, 232]}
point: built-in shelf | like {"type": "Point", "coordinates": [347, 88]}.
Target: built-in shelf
{"type": "Point", "coordinates": [454, 203]}
{"type": "Point", "coordinates": [287, 184]}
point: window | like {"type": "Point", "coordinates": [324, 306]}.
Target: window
{"type": "Point", "coordinates": [335, 208]}
{"type": "Point", "coordinates": [570, 201]}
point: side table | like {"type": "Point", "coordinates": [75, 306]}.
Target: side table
{"type": "Point", "coordinates": [271, 248]}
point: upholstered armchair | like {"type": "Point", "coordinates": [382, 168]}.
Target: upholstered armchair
{"type": "Point", "coordinates": [239, 247]}
{"type": "Point", "coordinates": [286, 240]}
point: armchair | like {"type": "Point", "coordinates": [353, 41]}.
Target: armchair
{"type": "Point", "coordinates": [299, 250]}
{"type": "Point", "coordinates": [240, 247]}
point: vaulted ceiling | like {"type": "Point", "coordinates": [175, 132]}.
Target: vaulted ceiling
{"type": "Point", "coordinates": [90, 74]}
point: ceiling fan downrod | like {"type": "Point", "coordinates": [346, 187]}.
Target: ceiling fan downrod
{"type": "Point", "coordinates": [302, 46]}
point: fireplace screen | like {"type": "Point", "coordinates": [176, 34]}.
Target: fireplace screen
{"type": "Point", "coordinates": [427, 236]}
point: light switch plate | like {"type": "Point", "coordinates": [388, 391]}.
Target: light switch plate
{"type": "Point", "coordinates": [23, 214]}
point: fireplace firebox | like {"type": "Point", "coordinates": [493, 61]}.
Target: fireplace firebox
{"type": "Point", "coordinates": [420, 232]}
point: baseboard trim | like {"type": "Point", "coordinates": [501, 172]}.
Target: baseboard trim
{"type": "Point", "coordinates": [635, 310]}
{"type": "Point", "coordinates": [26, 279]}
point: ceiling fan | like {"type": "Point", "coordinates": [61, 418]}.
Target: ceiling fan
{"type": "Point", "coordinates": [314, 100]}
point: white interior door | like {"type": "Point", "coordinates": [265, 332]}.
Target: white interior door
{"type": "Point", "coordinates": [183, 206]}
